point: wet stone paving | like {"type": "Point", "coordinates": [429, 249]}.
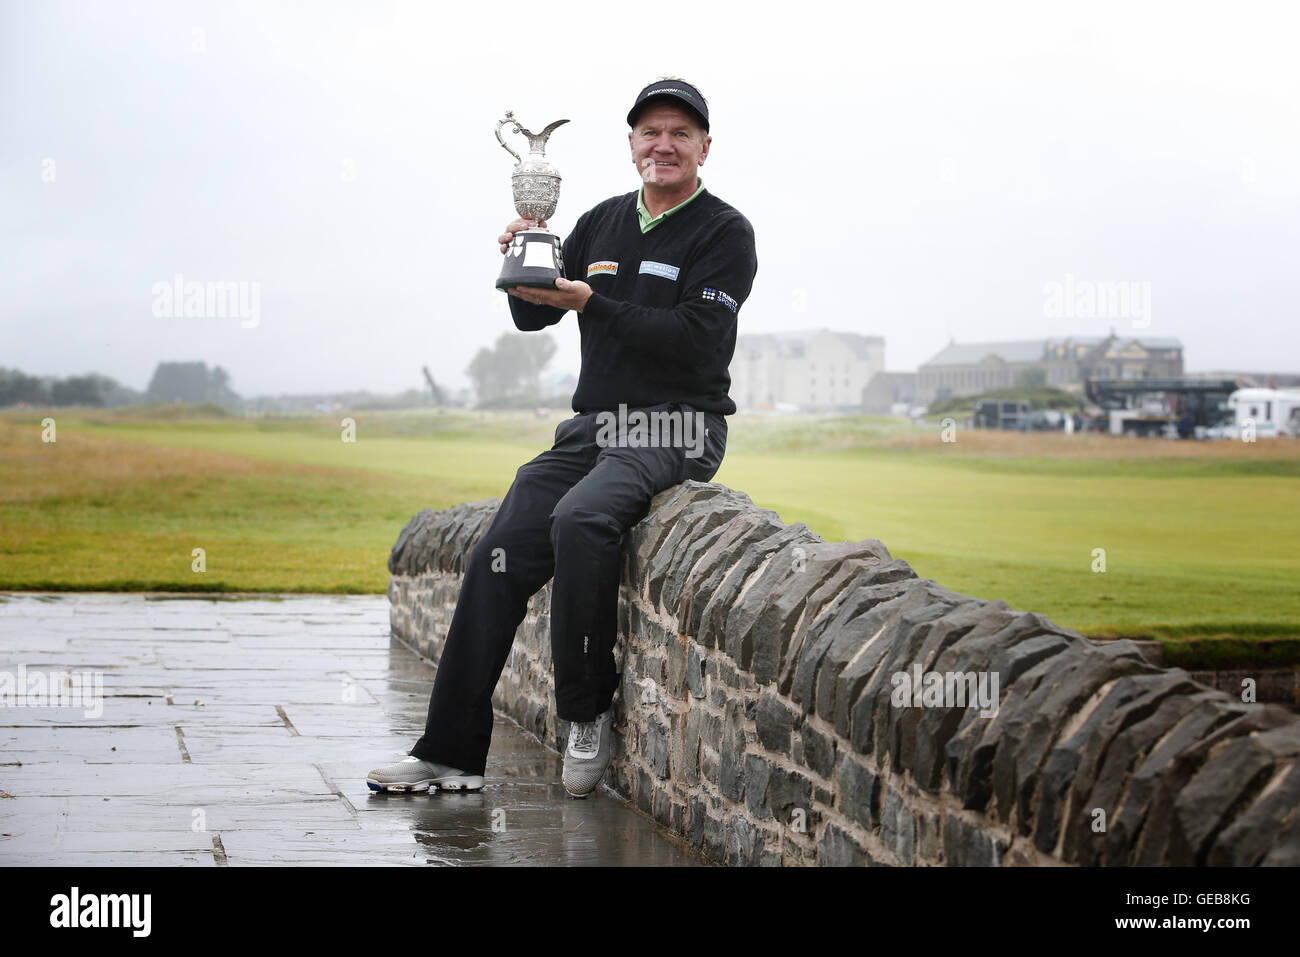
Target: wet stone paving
{"type": "Point", "coordinates": [179, 730]}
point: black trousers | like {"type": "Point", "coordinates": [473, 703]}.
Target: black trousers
{"type": "Point", "coordinates": [564, 516]}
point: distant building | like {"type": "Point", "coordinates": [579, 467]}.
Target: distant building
{"type": "Point", "coordinates": [886, 390]}
{"type": "Point", "coordinates": [973, 368]}
{"type": "Point", "coordinates": [815, 370]}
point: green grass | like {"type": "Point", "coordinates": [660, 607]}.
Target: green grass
{"type": "Point", "coordinates": [1214, 555]}
{"type": "Point", "coordinates": [1200, 539]}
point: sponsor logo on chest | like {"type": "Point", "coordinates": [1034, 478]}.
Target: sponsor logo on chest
{"type": "Point", "coordinates": [603, 268]}
{"type": "Point", "coordinates": [649, 268]}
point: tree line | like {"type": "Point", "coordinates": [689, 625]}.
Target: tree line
{"type": "Point", "coordinates": [171, 382]}
{"type": "Point", "coordinates": [508, 374]}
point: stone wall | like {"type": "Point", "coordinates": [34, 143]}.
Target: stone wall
{"type": "Point", "coordinates": [762, 715]}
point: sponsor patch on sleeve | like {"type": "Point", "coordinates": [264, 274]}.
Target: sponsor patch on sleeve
{"type": "Point", "coordinates": [717, 295]}
{"type": "Point", "coordinates": [602, 268]}
{"type": "Point", "coordinates": [659, 269]}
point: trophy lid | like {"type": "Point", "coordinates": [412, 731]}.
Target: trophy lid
{"type": "Point", "coordinates": [536, 141]}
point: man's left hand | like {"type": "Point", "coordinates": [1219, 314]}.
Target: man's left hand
{"type": "Point", "coordinates": [566, 294]}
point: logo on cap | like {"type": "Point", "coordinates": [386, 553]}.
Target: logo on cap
{"type": "Point", "coordinates": [671, 89]}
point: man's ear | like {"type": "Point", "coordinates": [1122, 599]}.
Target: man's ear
{"type": "Point", "coordinates": [704, 153]}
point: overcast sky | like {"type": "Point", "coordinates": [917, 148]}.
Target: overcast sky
{"type": "Point", "coordinates": [917, 172]}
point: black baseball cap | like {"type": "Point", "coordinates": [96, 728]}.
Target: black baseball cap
{"type": "Point", "coordinates": [679, 90]}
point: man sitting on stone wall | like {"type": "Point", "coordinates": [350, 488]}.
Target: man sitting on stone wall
{"type": "Point", "coordinates": [657, 277]}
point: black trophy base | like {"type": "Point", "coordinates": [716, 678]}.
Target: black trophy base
{"type": "Point", "coordinates": [533, 260]}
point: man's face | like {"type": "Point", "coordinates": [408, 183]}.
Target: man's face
{"type": "Point", "coordinates": [668, 145]}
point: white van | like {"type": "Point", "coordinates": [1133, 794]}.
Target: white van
{"type": "Point", "coordinates": [1273, 412]}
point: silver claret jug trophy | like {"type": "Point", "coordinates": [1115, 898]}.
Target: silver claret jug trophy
{"type": "Point", "coordinates": [534, 257]}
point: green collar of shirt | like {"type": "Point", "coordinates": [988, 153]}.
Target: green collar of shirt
{"type": "Point", "coordinates": [647, 221]}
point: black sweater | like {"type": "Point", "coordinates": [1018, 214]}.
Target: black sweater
{"type": "Point", "coordinates": [661, 322]}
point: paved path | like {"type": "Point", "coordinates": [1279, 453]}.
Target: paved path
{"type": "Point", "coordinates": [240, 731]}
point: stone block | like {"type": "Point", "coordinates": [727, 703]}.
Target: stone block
{"type": "Point", "coordinates": [757, 773]}
{"type": "Point", "coordinates": [656, 747]}
{"type": "Point", "coordinates": [774, 722]}
{"type": "Point", "coordinates": [694, 671]}
{"type": "Point", "coordinates": [898, 828]}
{"type": "Point", "coordinates": [857, 792]}
{"type": "Point", "coordinates": [966, 845]}
{"type": "Point", "coordinates": [744, 842]}
{"type": "Point", "coordinates": [731, 753]}
{"type": "Point", "coordinates": [787, 791]}
{"type": "Point", "coordinates": [837, 848]}
{"type": "Point", "coordinates": [819, 752]}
